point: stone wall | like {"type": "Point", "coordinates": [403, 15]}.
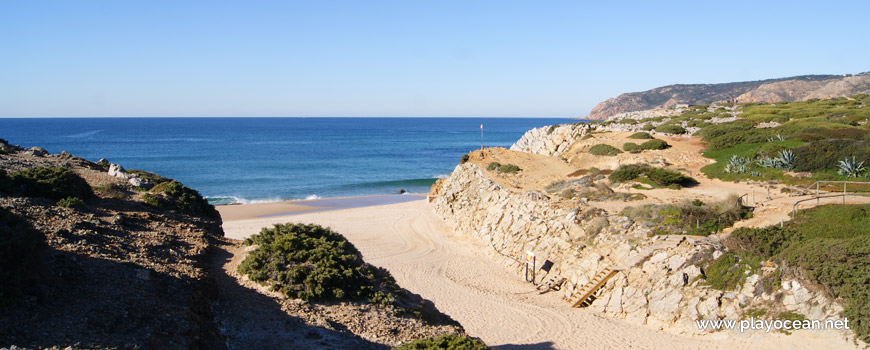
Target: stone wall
{"type": "Point", "coordinates": [659, 285]}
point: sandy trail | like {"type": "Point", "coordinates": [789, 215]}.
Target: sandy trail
{"type": "Point", "coordinates": [492, 302]}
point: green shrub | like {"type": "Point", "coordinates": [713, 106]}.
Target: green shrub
{"type": "Point", "coordinates": [21, 257]}
{"type": "Point", "coordinates": [447, 341]}
{"type": "Point", "coordinates": [641, 135]}
{"type": "Point", "coordinates": [172, 195]}
{"type": "Point", "coordinates": [52, 183]}
{"type": "Point", "coordinates": [631, 147]}
{"type": "Point", "coordinates": [508, 168]}
{"type": "Point", "coordinates": [464, 158]}
{"type": "Point", "coordinates": [728, 272]}
{"type": "Point", "coordinates": [670, 129]}
{"type": "Point", "coordinates": [717, 130]}
{"type": "Point", "coordinates": [661, 177]}
{"type": "Point", "coordinates": [654, 144]}
{"type": "Point", "coordinates": [604, 150]}
{"type": "Point", "coordinates": [71, 202]}
{"type": "Point", "coordinates": [648, 127]}
{"type": "Point", "coordinates": [149, 176]}
{"type": "Point", "coordinates": [830, 244]}
{"type": "Point", "coordinates": [493, 166]}
{"type": "Point", "coordinates": [824, 154]}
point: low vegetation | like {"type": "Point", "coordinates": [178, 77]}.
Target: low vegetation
{"type": "Point", "coordinates": [448, 341]}
{"type": "Point", "coordinates": [493, 166]}
{"type": "Point", "coordinates": [641, 136]}
{"type": "Point", "coordinates": [827, 244]}
{"type": "Point", "coordinates": [692, 218]}
{"type": "Point", "coordinates": [670, 129]}
{"type": "Point", "coordinates": [464, 159]}
{"type": "Point", "coordinates": [172, 195]}
{"type": "Point", "coordinates": [604, 150]}
{"type": "Point", "coordinates": [508, 168]}
{"type": "Point", "coordinates": [655, 177]}
{"type": "Point", "coordinates": [52, 183]}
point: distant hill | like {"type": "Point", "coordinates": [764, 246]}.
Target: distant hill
{"type": "Point", "coordinates": [771, 90]}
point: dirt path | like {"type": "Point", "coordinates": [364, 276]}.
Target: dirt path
{"type": "Point", "coordinates": [488, 300]}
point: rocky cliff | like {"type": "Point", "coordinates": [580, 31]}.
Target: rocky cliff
{"type": "Point", "coordinates": [550, 140]}
{"type": "Point", "coordinates": [772, 90]}
{"type": "Point", "coordinates": [658, 280]}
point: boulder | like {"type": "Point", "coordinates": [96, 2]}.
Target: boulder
{"type": "Point", "coordinates": [37, 151]}
{"type": "Point", "coordinates": [118, 171]}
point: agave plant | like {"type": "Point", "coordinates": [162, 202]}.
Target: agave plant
{"type": "Point", "coordinates": [776, 138]}
{"type": "Point", "coordinates": [785, 161]}
{"type": "Point", "coordinates": [850, 167]}
{"type": "Point", "coordinates": [737, 165]}
{"type": "Point", "coordinates": [767, 162]}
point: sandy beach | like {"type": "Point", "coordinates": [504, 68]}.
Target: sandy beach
{"type": "Point", "coordinates": [489, 300]}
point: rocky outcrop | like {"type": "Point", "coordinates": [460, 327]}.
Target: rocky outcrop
{"type": "Point", "coordinates": [772, 90]}
{"type": "Point", "coordinates": [659, 282]}
{"type": "Point", "coordinates": [551, 140]}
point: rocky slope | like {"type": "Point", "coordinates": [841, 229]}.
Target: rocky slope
{"type": "Point", "coordinates": [658, 281]}
{"type": "Point", "coordinates": [772, 90]}
{"type": "Point", "coordinates": [132, 266]}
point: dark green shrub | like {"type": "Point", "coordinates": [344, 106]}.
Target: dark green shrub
{"type": "Point", "coordinates": [447, 341]}
{"type": "Point", "coordinates": [51, 183]}
{"type": "Point", "coordinates": [508, 168]}
{"type": "Point", "coordinates": [662, 177]}
{"type": "Point", "coordinates": [631, 147]}
{"type": "Point", "coordinates": [641, 135]}
{"type": "Point", "coordinates": [654, 144]}
{"type": "Point", "coordinates": [824, 154]}
{"type": "Point", "coordinates": [716, 130]}
{"type": "Point", "coordinates": [314, 263]}
{"type": "Point", "coordinates": [493, 166]}
{"type": "Point", "coordinates": [172, 195]}
{"type": "Point", "coordinates": [71, 202]}
{"type": "Point", "coordinates": [6, 184]}
{"type": "Point", "coordinates": [728, 272]}
{"type": "Point", "coordinates": [604, 150]}
{"type": "Point", "coordinates": [149, 176]}
{"type": "Point", "coordinates": [464, 158]}
{"type": "Point", "coordinates": [21, 256]}
{"type": "Point", "coordinates": [648, 127]}
{"type": "Point", "coordinates": [670, 129]}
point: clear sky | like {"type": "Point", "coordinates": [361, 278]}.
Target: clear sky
{"type": "Point", "coordinates": [401, 58]}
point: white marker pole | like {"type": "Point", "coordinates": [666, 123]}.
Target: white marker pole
{"type": "Point", "coordinates": [481, 137]}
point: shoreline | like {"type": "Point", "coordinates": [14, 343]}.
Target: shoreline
{"type": "Point", "coordinates": [234, 212]}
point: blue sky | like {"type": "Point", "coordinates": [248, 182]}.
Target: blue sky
{"type": "Point", "coordinates": [401, 58]}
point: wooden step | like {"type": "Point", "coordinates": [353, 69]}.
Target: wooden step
{"type": "Point", "coordinates": [592, 286]}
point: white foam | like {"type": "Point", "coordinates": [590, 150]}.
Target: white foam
{"type": "Point", "coordinates": [313, 196]}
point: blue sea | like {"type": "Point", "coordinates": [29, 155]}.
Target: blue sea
{"type": "Point", "coordinates": [248, 160]}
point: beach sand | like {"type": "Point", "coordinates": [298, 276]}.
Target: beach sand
{"type": "Point", "coordinates": [491, 301]}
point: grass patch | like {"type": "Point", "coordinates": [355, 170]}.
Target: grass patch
{"type": "Point", "coordinates": [641, 136]}
{"type": "Point", "coordinates": [447, 341]}
{"type": "Point", "coordinates": [689, 218]}
{"type": "Point", "coordinates": [830, 244]}
{"type": "Point", "coordinates": [604, 150]}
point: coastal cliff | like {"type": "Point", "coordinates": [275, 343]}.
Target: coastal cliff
{"type": "Point", "coordinates": [771, 90]}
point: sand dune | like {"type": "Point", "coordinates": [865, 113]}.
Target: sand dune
{"type": "Point", "coordinates": [492, 302]}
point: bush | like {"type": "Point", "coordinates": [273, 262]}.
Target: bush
{"type": "Point", "coordinates": [493, 166]}
{"type": "Point", "coordinates": [729, 271]}
{"type": "Point", "coordinates": [716, 130]}
{"type": "Point", "coordinates": [670, 129]}
{"type": "Point", "coordinates": [830, 244]}
{"type": "Point", "coordinates": [641, 135]}
{"type": "Point", "coordinates": [654, 144]}
{"type": "Point", "coordinates": [508, 168]}
{"type": "Point", "coordinates": [172, 195]}
{"type": "Point", "coordinates": [604, 150]}
{"type": "Point", "coordinates": [447, 341]}
{"type": "Point", "coordinates": [71, 202]}
{"type": "Point", "coordinates": [631, 147]}
{"type": "Point", "coordinates": [52, 183]}
{"type": "Point", "coordinates": [314, 263]}
{"type": "Point", "coordinates": [648, 127]}
{"type": "Point", "coordinates": [824, 154]}
{"type": "Point", "coordinates": [662, 177]}
{"type": "Point", "coordinates": [464, 158]}
{"type": "Point", "coordinates": [21, 249]}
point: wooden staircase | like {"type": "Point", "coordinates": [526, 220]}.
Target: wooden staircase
{"type": "Point", "coordinates": [582, 295]}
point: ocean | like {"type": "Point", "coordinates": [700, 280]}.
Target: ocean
{"type": "Point", "coordinates": [249, 160]}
